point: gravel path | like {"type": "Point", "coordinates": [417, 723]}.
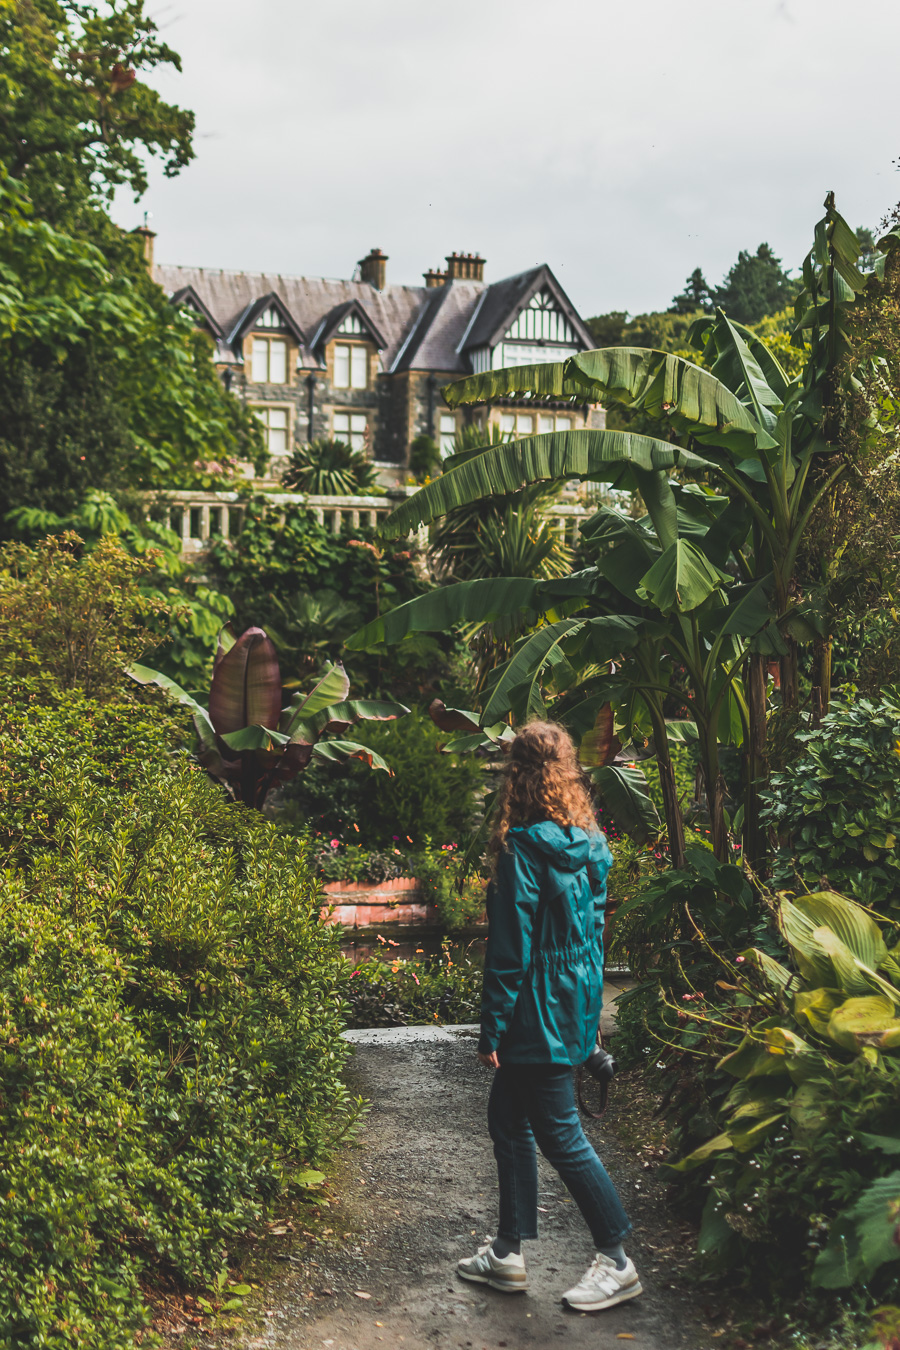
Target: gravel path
{"type": "Point", "coordinates": [418, 1192]}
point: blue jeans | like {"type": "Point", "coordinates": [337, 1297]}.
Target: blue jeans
{"type": "Point", "coordinates": [536, 1103]}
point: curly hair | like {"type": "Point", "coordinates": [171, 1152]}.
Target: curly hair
{"type": "Point", "coordinates": [543, 781]}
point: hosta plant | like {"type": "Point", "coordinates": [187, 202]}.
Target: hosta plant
{"type": "Point", "coordinates": [247, 740]}
{"type": "Point", "coordinates": [809, 1142]}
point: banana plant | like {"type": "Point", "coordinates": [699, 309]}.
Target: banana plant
{"type": "Point", "coordinates": [768, 442]}
{"type": "Point", "coordinates": [247, 741]}
{"type": "Point", "coordinates": [651, 603]}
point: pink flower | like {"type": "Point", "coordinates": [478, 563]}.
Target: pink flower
{"type": "Point", "coordinates": [415, 977]}
{"type": "Point", "coordinates": [335, 843]}
{"type": "Point", "coordinates": [740, 958]}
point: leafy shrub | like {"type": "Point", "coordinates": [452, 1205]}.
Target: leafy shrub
{"type": "Point", "coordinates": [76, 616]}
{"type": "Point", "coordinates": [431, 794]}
{"type": "Point", "coordinates": [396, 993]}
{"type": "Point", "coordinates": [838, 805]}
{"type": "Point", "coordinates": [436, 871]}
{"type": "Point", "coordinates": [170, 1008]}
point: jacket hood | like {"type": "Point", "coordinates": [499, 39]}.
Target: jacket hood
{"type": "Point", "coordinates": [568, 847]}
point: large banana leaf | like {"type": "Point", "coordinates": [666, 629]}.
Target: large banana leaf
{"type": "Point", "coordinates": [624, 790]}
{"type": "Point", "coordinates": [529, 660]}
{"type": "Point", "coordinates": [551, 457]}
{"type": "Point", "coordinates": [680, 580]}
{"type": "Point", "coordinates": [547, 380]}
{"type": "Point", "coordinates": [664, 385]}
{"type": "Point", "coordinates": [338, 752]}
{"type": "Point", "coordinates": [672, 389]}
{"type": "Point", "coordinates": [333, 687]}
{"type": "Point", "coordinates": [480, 601]}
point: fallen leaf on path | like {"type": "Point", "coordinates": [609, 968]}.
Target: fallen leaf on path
{"type": "Point", "coordinates": [359, 1294]}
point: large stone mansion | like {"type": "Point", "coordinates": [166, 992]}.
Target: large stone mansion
{"type": "Point", "coordinates": [364, 361]}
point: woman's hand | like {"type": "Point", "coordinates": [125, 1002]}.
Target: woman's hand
{"type": "Point", "coordinates": [489, 1061]}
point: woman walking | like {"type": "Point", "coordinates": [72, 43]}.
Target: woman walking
{"type": "Point", "coordinates": [543, 984]}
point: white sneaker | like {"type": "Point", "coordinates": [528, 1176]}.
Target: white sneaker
{"type": "Point", "coordinates": [603, 1285]}
{"type": "Point", "coordinates": [504, 1273]}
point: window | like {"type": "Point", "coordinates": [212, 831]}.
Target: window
{"type": "Point", "coordinates": [351, 326]}
{"type": "Point", "coordinates": [547, 422]}
{"type": "Point", "coordinates": [517, 424]}
{"type": "Point", "coordinates": [276, 426]}
{"type": "Point", "coordinates": [447, 433]}
{"type": "Point", "coordinates": [269, 361]}
{"type": "Point", "coordinates": [351, 367]}
{"type": "Point", "coordinates": [352, 429]}
{"type": "Point", "coordinates": [541, 321]}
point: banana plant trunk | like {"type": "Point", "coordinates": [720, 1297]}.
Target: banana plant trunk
{"type": "Point", "coordinates": [755, 764]}
{"type": "Point", "coordinates": [714, 784]}
{"type": "Point", "coordinates": [671, 804]}
{"type": "Point", "coordinates": [821, 679]}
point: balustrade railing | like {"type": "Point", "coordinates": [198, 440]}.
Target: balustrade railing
{"type": "Point", "coordinates": [199, 517]}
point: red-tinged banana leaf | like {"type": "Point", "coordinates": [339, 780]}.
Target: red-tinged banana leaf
{"type": "Point", "coordinates": [600, 745]}
{"type": "Point", "coordinates": [452, 719]}
{"type": "Point", "coordinates": [338, 752]}
{"type": "Point", "coordinates": [246, 685]}
{"type": "Point", "coordinates": [340, 716]}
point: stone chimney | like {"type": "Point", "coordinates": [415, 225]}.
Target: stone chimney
{"type": "Point", "coordinates": [373, 269]}
{"type": "Point", "coordinates": [146, 237]}
{"type": "Point", "coordinates": [434, 277]}
{"type": "Point", "coordinates": [465, 267]}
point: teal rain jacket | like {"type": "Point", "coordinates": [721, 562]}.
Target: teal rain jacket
{"type": "Point", "coordinates": [543, 973]}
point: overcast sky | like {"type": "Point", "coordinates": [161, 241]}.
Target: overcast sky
{"type": "Point", "coordinates": [623, 144]}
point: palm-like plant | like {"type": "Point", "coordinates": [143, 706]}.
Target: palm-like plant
{"type": "Point", "coordinates": [248, 741]}
{"type": "Point", "coordinates": [329, 469]}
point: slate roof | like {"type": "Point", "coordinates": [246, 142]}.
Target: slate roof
{"type": "Point", "coordinates": [418, 328]}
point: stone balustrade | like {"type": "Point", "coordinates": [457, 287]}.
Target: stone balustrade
{"type": "Point", "coordinates": [198, 517]}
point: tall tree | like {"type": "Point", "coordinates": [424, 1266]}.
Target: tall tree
{"type": "Point", "coordinates": [696, 295]}
{"type": "Point", "coordinates": [755, 285]}
{"type": "Point", "coordinates": [77, 120]}
{"type": "Point", "coordinates": [102, 383]}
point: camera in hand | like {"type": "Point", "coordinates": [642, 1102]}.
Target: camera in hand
{"type": "Point", "coordinates": [600, 1065]}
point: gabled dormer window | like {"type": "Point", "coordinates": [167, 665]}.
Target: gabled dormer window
{"type": "Point", "coordinates": [351, 326]}
{"type": "Point", "coordinates": [351, 366]}
{"type": "Point", "coordinates": [269, 361]}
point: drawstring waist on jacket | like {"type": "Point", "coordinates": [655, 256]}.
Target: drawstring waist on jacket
{"type": "Point", "coordinates": [569, 955]}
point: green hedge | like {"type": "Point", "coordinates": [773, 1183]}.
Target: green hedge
{"type": "Point", "coordinates": [836, 808]}
{"type": "Point", "coordinates": [170, 1019]}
